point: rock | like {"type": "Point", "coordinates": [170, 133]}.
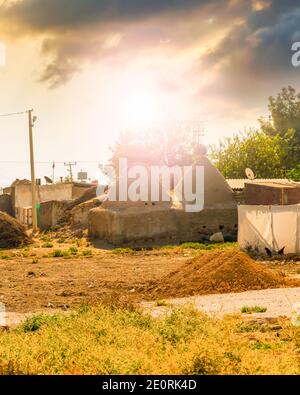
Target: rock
{"type": "Point", "coordinates": [229, 238]}
{"type": "Point", "coordinates": [217, 237]}
{"type": "Point", "coordinates": [276, 327]}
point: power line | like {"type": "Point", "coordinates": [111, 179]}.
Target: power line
{"type": "Point", "coordinates": [13, 113]}
{"type": "Point", "coordinates": [46, 163]}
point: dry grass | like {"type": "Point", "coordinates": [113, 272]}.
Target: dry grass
{"type": "Point", "coordinates": [115, 340]}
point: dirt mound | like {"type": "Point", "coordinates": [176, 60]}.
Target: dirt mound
{"type": "Point", "coordinates": [86, 196]}
{"type": "Point", "coordinates": [12, 233]}
{"type": "Point", "coordinates": [218, 272]}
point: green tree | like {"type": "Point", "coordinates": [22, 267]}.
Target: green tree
{"type": "Point", "coordinates": [284, 120]}
{"type": "Point", "coordinates": [284, 113]}
{"type": "Point", "coordinates": [294, 174]}
{"type": "Point", "coordinates": [261, 152]}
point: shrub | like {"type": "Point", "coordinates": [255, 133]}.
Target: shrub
{"type": "Point", "coordinates": [58, 254]}
{"type": "Point", "coordinates": [253, 309]}
{"type": "Point", "coordinates": [47, 245]}
{"type": "Point", "coordinates": [73, 250]}
{"type": "Point", "coordinates": [87, 253]}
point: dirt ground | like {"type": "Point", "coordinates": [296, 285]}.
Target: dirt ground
{"type": "Point", "coordinates": [59, 283]}
{"type": "Point", "coordinates": [32, 280]}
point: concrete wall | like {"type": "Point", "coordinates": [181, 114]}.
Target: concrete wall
{"type": "Point", "coordinates": [52, 213]}
{"type": "Point", "coordinates": [80, 213]}
{"type": "Point", "coordinates": [121, 227]}
{"type": "Point", "coordinates": [162, 222]}
{"type": "Point", "coordinates": [6, 204]}
{"type": "Point", "coordinates": [44, 193]}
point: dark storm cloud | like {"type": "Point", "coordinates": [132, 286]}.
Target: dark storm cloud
{"type": "Point", "coordinates": [49, 14]}
{"type": "Point", "coordinates": [257, 55]}
{"type": "Point", "coordinates": [75, 31]}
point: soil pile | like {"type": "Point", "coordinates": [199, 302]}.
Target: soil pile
{"type": "Point", "coordinates": [12, 233]}
{"type": "Point", "coordinates": [218, 272]}
{"type": "Point", "coordinates": [86, 196]}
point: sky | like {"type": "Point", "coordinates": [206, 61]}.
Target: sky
{"type": "Point", "coordinates": [91, 69]}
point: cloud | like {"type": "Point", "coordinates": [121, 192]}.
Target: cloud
{"type": "Point", "coordinates": [255, 56]}
{"type": "Point", "coordinates": [46, 15]}
{"type": "Point", "coordinates": [239, 41]}
{"type": "Point", "coordinates": [74, 32]}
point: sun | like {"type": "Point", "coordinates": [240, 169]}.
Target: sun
{"type": "Point", "coordinates": [143, 108]}
{"type": "Point", "coordinates": [140, 101]}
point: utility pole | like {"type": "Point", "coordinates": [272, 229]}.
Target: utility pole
{"type": "Point", "coordinates": [69, 165]}
{"type": "Point", "coordinates": [53, 171]}
{"type": "Point", "coordinates": [31, 120]}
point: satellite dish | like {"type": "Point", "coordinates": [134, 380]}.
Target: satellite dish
{"type": "Point", "coordinates": [48, 180]}
{"type": "Point", "coordinates": [250, 174]}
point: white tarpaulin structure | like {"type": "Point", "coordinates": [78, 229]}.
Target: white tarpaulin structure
{"type": "Point", "coordinates": [273, 227]}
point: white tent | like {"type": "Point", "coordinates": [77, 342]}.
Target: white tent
{"type": "Point", "coordinates": [273, 227]}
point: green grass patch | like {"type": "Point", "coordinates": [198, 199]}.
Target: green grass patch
{"type": "Point", "coordinates": [253, 309]}
{"type": "Point", "coordinates": [87, 253]}
{"type": "Point", "coordinates": [73, 250]}
{"type": "Point", "coordinates": [5, 257]}
{"type": "Point", "coordinates": [48, 244]}
{"type": "Point", "coordinates": [161, 303]}
{"type": "Point", "coordinates": [59, 253]}
{"type": "Point", "coordinates": [117, 340]}
{"type": "Point", "coordinates": [123, 251]}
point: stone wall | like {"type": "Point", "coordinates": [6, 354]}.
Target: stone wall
{"type": "Point", "coordinates": [163, 222]}
{"type": "Point", "coordinates": [121, 227]}
{"type": "Point", "coordinates": [52, 213]}
{"type": "Point", "coordinates": [79, 214]}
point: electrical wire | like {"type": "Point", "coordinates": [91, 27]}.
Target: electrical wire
{"type": "Point", "coordinates": [13, 113]}
{"type": "Point", "coordinates": [46, 163]}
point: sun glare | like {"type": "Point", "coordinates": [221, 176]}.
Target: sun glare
{"type": "Point", "coordinates": [142, 108]}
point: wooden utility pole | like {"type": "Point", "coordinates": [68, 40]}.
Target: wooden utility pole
{"type": "Point", "coordinates": [31, 121]}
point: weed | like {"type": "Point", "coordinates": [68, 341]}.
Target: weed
{"type": "Point", "coordinates": [46, 239]}
{"type": "Point", "coordinates": [58, 254]}
{"type": "Point", "coordinates": [87, 253]}
{"type": "Point", "coordinates": [123, 251]}
{"type": "Point", "coordinates": [253, 309]}
{"type": "Point", "coordinates": [5, 257]}
{"type": "Point", "coordinates": [111, 339]}
{"type": "Point", "coordinates": [34, 323]}
{"type": "Point", "coordinates": [262, 346]}
{"type": "Point", "coordinates": [161, 303]}
{"type": "Point", "coordinates": [48, 244]}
